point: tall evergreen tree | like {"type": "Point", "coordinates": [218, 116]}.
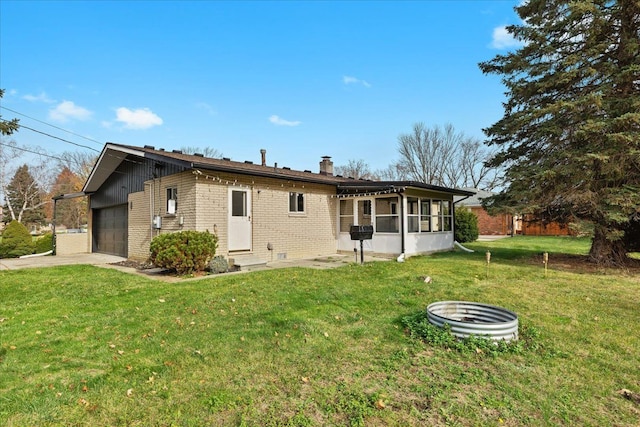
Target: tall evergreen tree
{"type": "Point", "coordinates": [23, 199]}
{"type": "Point", "coordinates": [570, 134]}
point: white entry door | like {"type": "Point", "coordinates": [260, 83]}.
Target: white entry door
{"type": "Point", "coordinates": [239, 219]}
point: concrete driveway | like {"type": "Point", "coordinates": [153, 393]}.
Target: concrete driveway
{"type": "Point", "coordinates": [52, 261]}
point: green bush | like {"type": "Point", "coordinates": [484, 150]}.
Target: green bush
{"type": "Point", "coordinates": [44, 243]}
{"type": "Point", "coordinates": [466, 225]}
{"type": "Point", "coordinates": [185, 252]}
{"type": "Point", "coordinates": [16, 241]}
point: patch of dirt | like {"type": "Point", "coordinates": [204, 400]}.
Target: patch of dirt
{"type": "Point", "coordinates": [582, 264]}
{"type": "Point", "coordinates": [146, 267]}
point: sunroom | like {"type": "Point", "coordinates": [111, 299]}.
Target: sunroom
{"type": "Point", "coordinates": [408, 217]}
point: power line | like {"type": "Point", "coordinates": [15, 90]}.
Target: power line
{"type": "Point", "coordinates": [31, 151]}
{"type": "Point", "coordinates": [53, 126]}
{"type": "Point", "coordinates": [55, 137]}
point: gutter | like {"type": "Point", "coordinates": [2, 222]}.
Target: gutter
{"type": "Point", "coordinates": [463, 199]}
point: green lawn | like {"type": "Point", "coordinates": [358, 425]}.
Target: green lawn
{"type": "Point", "coordinates": [298, 347]}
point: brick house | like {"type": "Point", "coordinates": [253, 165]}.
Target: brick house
{"type": "Point", "coordinates": [265, 211]}
{"type": "Point", "coordinates": [494, 225]}
{"type": "Point", "coordinates": [503, 224]}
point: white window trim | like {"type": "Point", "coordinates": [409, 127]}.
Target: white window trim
{"type": "Point", "coordinates": [303, 212]}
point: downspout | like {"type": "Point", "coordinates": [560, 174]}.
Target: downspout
{"type": "Point", "coordinates": [402, 242]}
{"type": "Point", "coordinates": [53, 225]}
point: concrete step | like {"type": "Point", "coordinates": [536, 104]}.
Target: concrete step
{"type": "Point", "coordinates": [246, 262]}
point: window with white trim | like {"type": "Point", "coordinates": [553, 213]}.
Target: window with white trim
{"type": "Point", "coordinates": [413, 215]}
{"type": "Point", "coordinates": [428, 215]}
{"type": "Point", "coordinates": [387, 219]}
{"type": "Point", "coordinates": [296, 202]}
{"type": "Point", "coordinates": [346, 215]}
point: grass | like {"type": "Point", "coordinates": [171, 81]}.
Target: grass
{"type": "Point", "coordinates": [299, 347]}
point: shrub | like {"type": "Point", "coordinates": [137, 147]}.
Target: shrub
{"type": "Point", "coordinates": [218, 265]}
{"type": "Point", "coordinates": [44, 243]}
{"type": "Point", "coordinates": [16, 241]}
{"type": "Point", "coordinates": [185, 252]}
{"type": "Point", "coordinates": [466, 225]}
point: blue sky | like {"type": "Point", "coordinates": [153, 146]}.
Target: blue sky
{"type": "Point", "coordinates": [299, 79]}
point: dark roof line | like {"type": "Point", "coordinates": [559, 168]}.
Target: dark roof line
{"type": "Point", "coordinates": [227, 165]}
{"type": "Point", "coordinates": [342, 184]}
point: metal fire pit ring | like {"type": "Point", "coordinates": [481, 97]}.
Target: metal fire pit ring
{"type": "Point", "coordinates": [472, 318]}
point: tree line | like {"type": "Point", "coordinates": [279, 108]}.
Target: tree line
{"type": "Point", "coordinates": [28, 189]}
{"type": "Point", "coordinates": [437, 155]}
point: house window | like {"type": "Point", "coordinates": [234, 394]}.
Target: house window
{"type": "Point", "coordinates": [441, 215]}
{"type": "Point", "coordinates": [364, 212]}
{"type": "Point", "coordinates": [172, 200]}
{"type": "Point", "coordinates": [346, 215]}
{"type": "Point", "coordinates": [296, 202]}
{"type": "Point", "coordinates": [413, 215]}
{"type": "Point", "coordinates": [238, 203]}
{"type": "Point", "coordinates": [436, 218]}
{"type": "Point", "coordinates": [447, 216]}
{"type": "Point", "coordinates": [426, 215]}
{"type": "Point", "coordinates": [386, 211]}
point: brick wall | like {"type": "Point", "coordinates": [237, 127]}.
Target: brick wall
{"type": "Point", "coordinates": [152, 201]}
{"type": "Point", "coordinates": [139, 225]}
{"type": "Point", "coordinates": [289, 235]}
{"type": "Point", "coordinates": [72, 243]}
{"type": "Point", "coordinates": [492, 225]}
{"type": "Point", "coordinates": [203, 205]}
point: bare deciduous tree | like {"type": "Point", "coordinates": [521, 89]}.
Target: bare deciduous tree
{"type": "Point", "coordinates": [357, 169]}
{"type": "Point", "coordinates": [79, 162]}
{"type": "Point", "coordinates": [442, 156]}
{"type": "Point", "coordinates": [394, 172]}
{"type": "Point", "coordinates": [210, 152]}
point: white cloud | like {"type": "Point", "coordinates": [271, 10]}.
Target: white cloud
{"type": "Point", "coordinates": [67, 110]}
{"type": "Point", "coordinates": [141, 118]}
{"type": "Point", "coordinates": [348, 80]}
{"type": "Point", "coordinates": [42, 97]}
{"type": "Point", "coordinates": [206, 107]}
{"type": "Point", "coordinates": [279, 121]}
{"type": "Point", "coordinates": [503, 39]}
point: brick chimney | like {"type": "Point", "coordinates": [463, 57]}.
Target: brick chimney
{"type": "Point", "coordinates": [263, 154]}
{"type": "Point", "coordinates": [326, 166]}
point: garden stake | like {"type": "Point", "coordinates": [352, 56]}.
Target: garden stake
{"type": "Point", "coordinates": [545, 260]}
{"type": "Point", "coordinates": [488, 256]}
